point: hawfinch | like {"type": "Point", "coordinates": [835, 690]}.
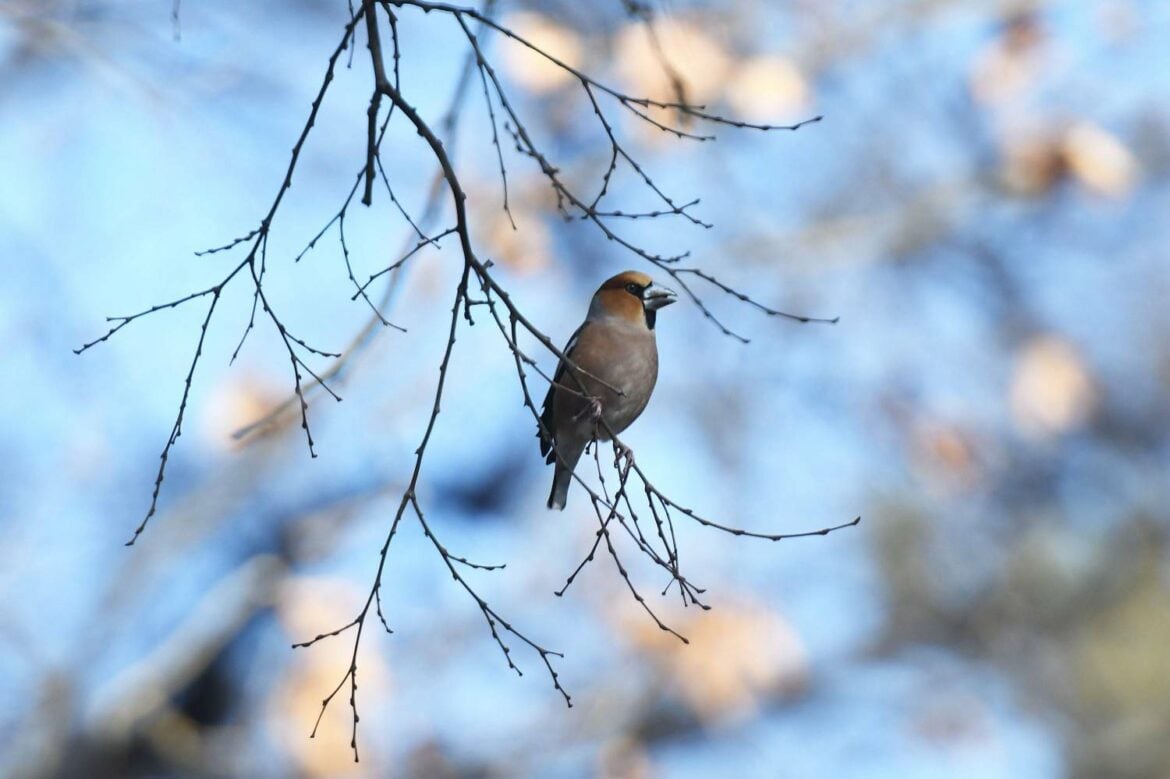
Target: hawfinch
{"type": "Point", "coordinates": [617, 361]}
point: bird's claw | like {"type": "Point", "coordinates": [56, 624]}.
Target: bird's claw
{"type": "Point", "coordinates": [622, 452]}
{"type": "Point", "coordinates": [592, 409]}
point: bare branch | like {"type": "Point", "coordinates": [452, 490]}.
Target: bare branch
{"type": "Point", "coordinates": [623, 524]}
{"type": "Point", "coordinates": [177, 428]}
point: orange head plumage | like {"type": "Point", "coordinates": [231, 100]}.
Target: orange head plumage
{"type": "Point", "coordinates": [632, 296]}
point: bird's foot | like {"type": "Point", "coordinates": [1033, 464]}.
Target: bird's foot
{"type": "Point", "coordinates": [592, 409]}
{"type": "Point", "coordinates": [621, 453]}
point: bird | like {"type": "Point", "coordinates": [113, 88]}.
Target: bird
{"type": "Point", "coordinates": [613, 370]}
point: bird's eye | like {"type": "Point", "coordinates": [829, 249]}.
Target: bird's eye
{"type": "Point", "coordinates": [634, 289]}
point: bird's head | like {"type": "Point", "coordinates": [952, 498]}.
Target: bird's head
{"type": "Point", "coordinates": [631, 295]}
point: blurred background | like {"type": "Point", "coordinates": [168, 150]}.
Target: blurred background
{"type": "Point", "coordinates": [984, 206]}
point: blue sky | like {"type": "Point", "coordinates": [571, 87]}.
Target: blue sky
{"type": "Point", "coordinates": [125, 151]}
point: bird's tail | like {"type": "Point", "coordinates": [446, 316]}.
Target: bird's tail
{"type": "Point", "coordinates": [562, 478]}
{"type": "Point", "coordinates": [564, 461]}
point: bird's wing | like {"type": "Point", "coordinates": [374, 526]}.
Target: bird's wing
{"type": "Point", "coordinates": [548, 433]}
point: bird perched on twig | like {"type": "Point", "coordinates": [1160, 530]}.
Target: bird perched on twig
{"type": "Point", "coordinates": [611, 370]}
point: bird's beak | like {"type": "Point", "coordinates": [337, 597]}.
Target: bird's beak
{"type": "Point", "coordinates": [656, 297]}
